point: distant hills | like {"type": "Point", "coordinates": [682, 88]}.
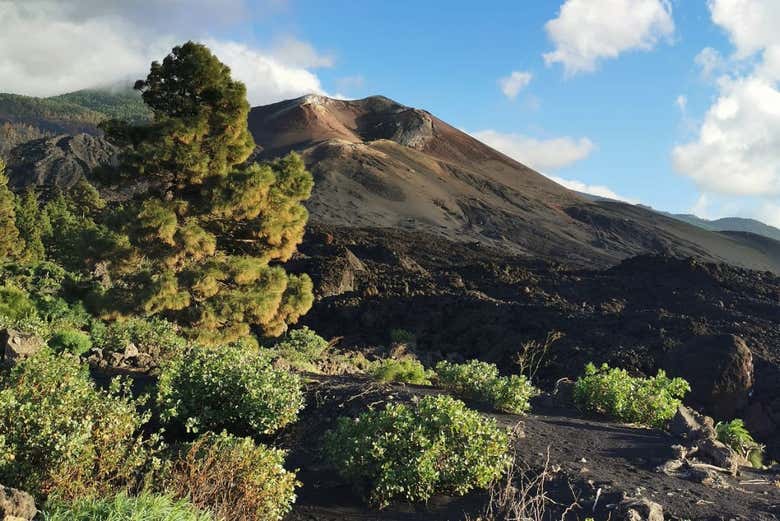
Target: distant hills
{"type": "Point", "coordinates": [382, 165]}
{"type": "Point", "coordinates": [24, 118]}
{"type": "Point", "coordinates": [731, 224]}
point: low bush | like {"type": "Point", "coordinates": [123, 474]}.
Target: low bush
{"type": "Point", "coordinates": [301, 349]}
{"type": "Point", "coordinates": [407, 370]}
{"type": "Point", "coordinates": [738, 437]}
{"type": "Point", "coordinates": [60, 434]}
{"type": "Point", "coordinates": [16, 304]}
{"type": "Point", "coordinates": [612, 391]}
{"type": "Point", "coordinates": [234, 478]}
{"type": "Point", "coordinates": [144, 507]}
{"type": "Point", "coordinates": [70, 341]}
{"type": "Point", "coordinates": [156, 337]}
{"type": "Point", "coordinates": [402, 336]}
{"type": "Point", "coordinates": [411, 452]}
{"type": "Point", "coordinates": [212, 389]}
{"type": "Point", "coordinates": [480, 381]}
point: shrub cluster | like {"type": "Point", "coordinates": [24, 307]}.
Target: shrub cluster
{"type": "Point", "coordinates": [156, 337]}
{"type": "Point", "coordinates": [414, 451]}
{"type": "Point", "coordinates": [406, 370]}
{"type": "Point", "coordinates": [234, 478]}
{"type": "Point", "coordinates": [301, 349]}
{"type": "Point", "coordinates": [60, 434]}
{"type": "Point", "coordinates": [480, 381]}
{"type": "Point", "coordinates": [612, 391]}
{"type": "Point", "coordinates": [144, 507]}
{"type": "Point", "coordinates": [228, 388]}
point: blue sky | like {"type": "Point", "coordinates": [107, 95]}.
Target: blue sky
{"type": "Point", "coordinates": [612, 96]}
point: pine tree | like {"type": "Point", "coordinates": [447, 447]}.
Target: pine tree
{"type": "Point", "coordinates": [11, 245]}
{"type": "Point", "coordinates": [210, 226]}
{"type": "Point", "coordinates": [32, 224]}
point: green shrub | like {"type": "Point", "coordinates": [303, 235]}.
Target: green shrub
{"type": "Point", "coordinates": [412, 452]}
{"type": "Point", "coordinates": [16, 305]}
{"type": "Point", "coordinates": [234, 478]}
{"type": "Point", "coordinates": [301, 348]}
{"type": "Point", "coordinates": [402, 336]}
{"type": "Point", "coordinates": [480, 381]}
{"type": "Point", "coordinates": [228, 388]}
{"type": "Point", "coordinates": [70, 341]}
{"type": "Point", "coordinates": [612, 391]}
{"type": "Point", "coordinates": [59, 433]}
{"type": "Point", "coordinates": [144, 507]}
{"type": "Point", "coordinates": [156, 337]}
{"type": "Point", "coordinates": [407, 370]}
{"type": "Point", "coordinates": [735, 435]}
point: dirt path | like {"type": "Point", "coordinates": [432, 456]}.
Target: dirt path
{"type": "Point", "coordinates": [591, 454]}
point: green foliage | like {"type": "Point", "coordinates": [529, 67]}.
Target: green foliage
{"type": "Point", "coordinates": [402, 336]}
{"type": "Point", "coordinates": [412, 452]}
{"type": "Point", "coordinates": [202, 243]}
{"type": "Point", "coordinates": [31, 223]}
{"type": "Point", "coordinates": [16, 305]}
{"type": "Point", "coordinates": [480, 381]}
{"type": "Point", "coordinates": [738, 437]}
{"type": "Point", "coordinates": [612, 391]}
{"type": "Point", "coordinates": [234, 478]}
{"type": "Point", "coordinates": [228, 388]}
{"type": "Point", "coordinates": [123, 104]}
{"type": "Point", "coordinates": [121, 507]}
{"type": "Point", "coordinates": [301, 348]}
{"type": "Point", "coordinates": [32, 299]}
{"type": "Point", "coordinates": [406, 370]}
{"type": "Point", "coordinates": [60, 434]}
{"type": "Point", "coordinates": [70, 341]}
{"type": "Point", "coordinates": [74, 239]}
{"type": "Point", "coordinates": [10, 243]}
{"type": "Point", "coordinates": [156, 337]}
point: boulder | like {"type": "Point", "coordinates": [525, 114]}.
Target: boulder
{"type": "Point", "coordinates": [720, 371]}
{"type": "Point", "coordinates": [16, 346]}
{"type": "Point", "coordinates": [719, 454]}
{"type": "Point", "coordinates": [16, 505]}
{"type": "Point", "coordinates": [692, 426]}
{"type": "Point", "coordinates": [639, 509]}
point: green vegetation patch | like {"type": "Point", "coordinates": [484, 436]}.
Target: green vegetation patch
{"type": "Point", "coordinates": [646, 401]}
{"type": "Point", "coordinates": [480, 381]}
{"type": "Point", "coordinates": [144, 507]}
{"type": "Point", "coordinates": [412, 452]}
{"type": "Point", "coordinates": [228, 388]}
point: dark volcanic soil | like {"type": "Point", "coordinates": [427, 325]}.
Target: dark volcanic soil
{"type": "Point", "coordinates": [590, 453]}
{"type": "Point", "coordinates": [469, 301]}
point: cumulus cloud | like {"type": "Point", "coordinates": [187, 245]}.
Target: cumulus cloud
{"type": "Point", "coordinates": [549, 155]}
{"type": "Point", "coordinates": [710, 61]}
{"type": "Point", "coordinates": [514, 83]}
{"type": "Point", "coordinates": [540, 154]}
{"type": "Point", "coordinates": [50, 47]}
{"type": "Point", "coordinates": [586, 32]}
{"type": "Point", "coordinates": [737, 149]}
{"type": "Point", "coordinates": [597, 190]}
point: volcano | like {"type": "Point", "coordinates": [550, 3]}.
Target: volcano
{"type": "Point", "coordinates": [380, 164]}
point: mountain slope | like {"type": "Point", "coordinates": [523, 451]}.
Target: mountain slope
{"type": "Point", "coordinates": [378, 163]}
{"type": "Point", "coordinates": [732, 224]}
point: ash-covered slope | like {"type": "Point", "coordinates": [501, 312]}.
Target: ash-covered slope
{"type": "Point", "coordinates": [378, 163]}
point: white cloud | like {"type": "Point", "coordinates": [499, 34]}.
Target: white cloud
{"type": "Point", "coordinates": [588, 31]}
{"type": "Point", "coordinates": [682, 102]}
{"type": "Point", "coordinates": [514, 83]}
{"type": "Point", "coordinates": [597, 190]}
{"type": "Point", "coordinates": [737, 149]}
{"type": "Point", "coordinates": [710, 61]}
{"type": "Point", "coordinates": [49, 47]}
{"type": "Point", "coordinates": [543, 155]}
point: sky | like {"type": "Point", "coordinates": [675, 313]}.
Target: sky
{"type": "Point", "coordinates": [673, 104]}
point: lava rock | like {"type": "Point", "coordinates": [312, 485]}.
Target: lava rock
{"type": "Point", "coordinates": [639, 509]}
{"type": "Point", "coordinates": [16, 346]}
{"type": "Point", "coordinates": [720, 371]}
{"type": "Point", "coordinates": [691, 425]}
{"type": "Point", "coordinates": [16, 505]}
